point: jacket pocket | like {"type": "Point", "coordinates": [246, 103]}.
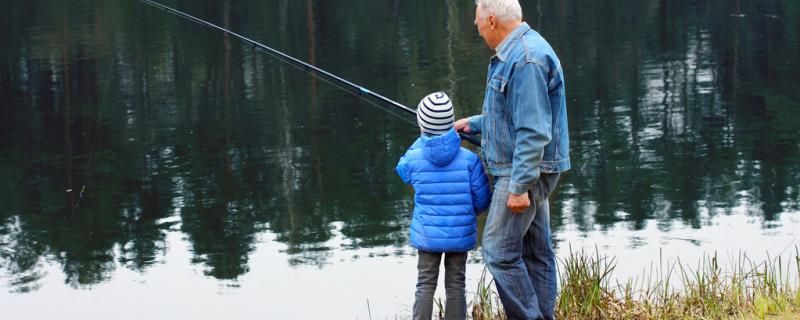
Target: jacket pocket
{"type": "Point", "coordinates": [498, 84]}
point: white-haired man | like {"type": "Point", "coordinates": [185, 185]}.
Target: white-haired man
{"type": "Point", "coordinates": [525, 143]}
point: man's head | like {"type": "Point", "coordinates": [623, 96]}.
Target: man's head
{"type": "Point", "coordinates": [435, 114]}
{"type": "Point", "coordinates": [495, 19]}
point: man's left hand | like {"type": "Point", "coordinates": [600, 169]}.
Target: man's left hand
{"type": "Point", "coordinates": [462, 125]}
{"type": "Point", "coordinates": [518, 202]}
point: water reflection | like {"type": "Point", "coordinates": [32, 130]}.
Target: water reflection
{"type": "Point", "coordinates": [122, 126]}
{"type": "Point", "coordinates": [674, 137]}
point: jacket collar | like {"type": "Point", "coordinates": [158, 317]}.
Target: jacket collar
{"type": "Point", "coordinates": [504, 48]}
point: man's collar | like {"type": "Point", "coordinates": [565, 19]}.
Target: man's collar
{"type": "Point", "coordinates": [504, 48]}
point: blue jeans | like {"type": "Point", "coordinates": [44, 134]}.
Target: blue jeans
{"type": "Point", "coordinates": [455, 266]}
{"type": "Point", "coordinates": [518, 251]}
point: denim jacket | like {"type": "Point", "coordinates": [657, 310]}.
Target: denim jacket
{"type": "Point", "coordinates": [523, 126]}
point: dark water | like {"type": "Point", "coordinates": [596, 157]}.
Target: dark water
{"type": "Point", "coordinates": [150, 167]}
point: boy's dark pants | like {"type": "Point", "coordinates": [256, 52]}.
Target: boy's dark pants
{"type": "Point", "coordinates": [455, 265]}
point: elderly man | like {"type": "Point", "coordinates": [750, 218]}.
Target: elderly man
{"type": "Point", "coordinates": [525, 143]}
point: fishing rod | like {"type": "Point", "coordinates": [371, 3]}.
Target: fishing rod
{"type": "Point", "coordinates": [360, 92]}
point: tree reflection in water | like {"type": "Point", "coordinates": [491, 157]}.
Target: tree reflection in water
{"type": "Point", "coordinates": [121, 124]}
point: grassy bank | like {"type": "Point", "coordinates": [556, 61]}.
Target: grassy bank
{"type": "Point", "coordinates": [743, 289]}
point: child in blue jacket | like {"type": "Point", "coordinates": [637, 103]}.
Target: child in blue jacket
{"type": "Point", "coordinates": [450, 190]}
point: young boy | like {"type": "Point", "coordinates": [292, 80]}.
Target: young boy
{"type": "Point", "coordinates": [451, 189]}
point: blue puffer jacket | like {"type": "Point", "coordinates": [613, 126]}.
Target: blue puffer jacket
{"type": "Point", "coordinates": [451, 188]}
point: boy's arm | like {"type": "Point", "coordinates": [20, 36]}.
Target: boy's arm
{"type": "Point", "coordinates": [481, 197]}
{"type": "Point", "coordinates": [402, 169]}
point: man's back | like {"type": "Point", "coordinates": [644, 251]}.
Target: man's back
{"type": "Point", "coordinates": [524, 111]}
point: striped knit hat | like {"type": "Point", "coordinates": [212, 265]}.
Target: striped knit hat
{"type": "Point", "coordinates": [435, 114]}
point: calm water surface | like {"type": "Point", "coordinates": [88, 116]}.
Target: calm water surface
{"type": "Point", "coordinates": [153, 168]}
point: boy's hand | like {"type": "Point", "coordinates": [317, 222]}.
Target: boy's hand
{"type": "Point", "coordinates": [518, 202]}
{"type": "Point", "coordinates": [462, 125]}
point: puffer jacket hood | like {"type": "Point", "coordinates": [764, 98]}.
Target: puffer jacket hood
{"type": "Point", "coordinates": [441, 150]}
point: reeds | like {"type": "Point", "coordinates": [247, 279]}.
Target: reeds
{"type": "Point", "coordinates": [742, 289]}
{"type": "Point", "coordinates": [486, 305]}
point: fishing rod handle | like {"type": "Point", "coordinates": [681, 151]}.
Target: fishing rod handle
{"type": "Point", "coordinates": [471, 138]}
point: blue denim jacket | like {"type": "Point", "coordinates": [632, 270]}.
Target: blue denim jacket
{"type": "Point", "coordinates": [524, 121]}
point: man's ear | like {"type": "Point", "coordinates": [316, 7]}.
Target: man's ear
{"type": "Point", "coordinates": [492, 22]}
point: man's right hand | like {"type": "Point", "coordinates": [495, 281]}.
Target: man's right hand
{"type": "Point", "coordinates": [462, 125]}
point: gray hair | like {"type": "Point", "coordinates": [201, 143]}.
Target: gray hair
{"type": "Point", "coordinates": [504, 10]}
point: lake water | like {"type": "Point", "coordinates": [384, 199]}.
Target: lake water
{"type": "Point", "coordinates": [154, 168]}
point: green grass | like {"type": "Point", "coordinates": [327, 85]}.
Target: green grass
{"type": "Point", "coordinates": [486, 304]}
{"type": "Point", "coordinates": [705, 290]}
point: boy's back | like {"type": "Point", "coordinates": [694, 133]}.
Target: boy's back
{"type": "Point", "coordinates": [451, 188]}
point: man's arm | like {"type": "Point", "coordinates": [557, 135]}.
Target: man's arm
{"type": "Point", "coordinates": [529, 104]}
{"type": "Point", "coordinates": [471, 125]}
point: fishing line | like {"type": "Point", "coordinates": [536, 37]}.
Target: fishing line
{"type": "Point", "coordinates": [326, 76]}
{"type": "Point", "coordinates": [357, 94]}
